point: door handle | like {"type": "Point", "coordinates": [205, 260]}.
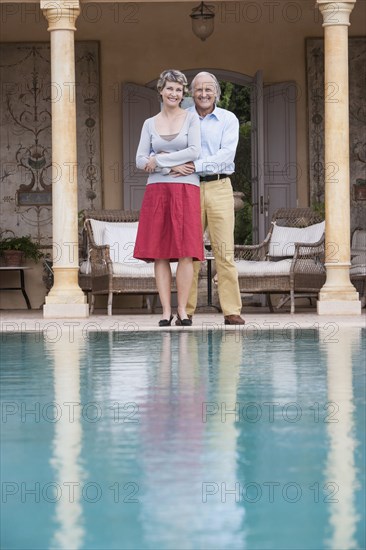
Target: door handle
{"type": "Point", "coordinates": [264, 205]}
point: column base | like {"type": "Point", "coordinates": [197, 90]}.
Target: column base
{"type": "Point", "coordinates": [64, 311]}
{"type": "Point", "coordinates": [66, 299]}
{"type": "Point", "coordinates": [338, 307]}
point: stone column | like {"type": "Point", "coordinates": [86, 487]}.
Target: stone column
{"type": "Point", "coordinates": [65, 299]}
{"type": "Point", "coordinates": [65, 351]}
{"type": "Point", "coordinates": [342, 442]}
{"type": "Point", "coordinates": [338, 296]}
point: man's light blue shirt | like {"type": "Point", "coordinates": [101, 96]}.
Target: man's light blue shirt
{"type": "Point", "coordinates": [219, 140]}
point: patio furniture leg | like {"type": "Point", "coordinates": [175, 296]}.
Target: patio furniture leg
{"type": "Point", "coordinates": [292, 294]}
{"type": "Point", "coordinates": [269, 302]}
{"type": "Point", "coordinates": [285, 298]}
{"type": "Point", "coordinates": [92, 302]}
{"type": "Point", "coordinates": [153, 303]}
{"type": "Point", "coordinates": [110, 299]}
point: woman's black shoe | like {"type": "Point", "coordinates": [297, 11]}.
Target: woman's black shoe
{"type": "Point", "coordinates": [166, 322]}
{"type": "Point", "coordinates": [183, 322]}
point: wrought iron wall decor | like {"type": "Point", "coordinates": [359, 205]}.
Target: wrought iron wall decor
{"type": "Point", "coordinates": [357, 120]}
{"type": "Point", "coordinates": [26, 148]}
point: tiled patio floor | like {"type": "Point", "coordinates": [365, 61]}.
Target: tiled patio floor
{"type": "Point", "coordinates": [134, 320]}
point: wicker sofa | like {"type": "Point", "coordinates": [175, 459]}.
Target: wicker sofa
{"type": "Point", "coordinates": [109, 237]}
{"type": "Point", "coordinates": [289, 260]}
{"type": "Point", "coordinates": [358, 263]}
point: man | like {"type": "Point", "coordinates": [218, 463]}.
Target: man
{"type": "Point", "coordinates": [219, 140]}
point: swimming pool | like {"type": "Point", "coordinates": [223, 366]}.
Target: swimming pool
{"type": "Point", "coordinates": [183, 440]}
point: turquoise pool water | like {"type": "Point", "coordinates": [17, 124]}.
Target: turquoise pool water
{"type": "Point", "coordinates": [183, 440]}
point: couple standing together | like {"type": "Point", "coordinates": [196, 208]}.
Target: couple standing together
{"type": "Point", "coordinates": [189, 155]}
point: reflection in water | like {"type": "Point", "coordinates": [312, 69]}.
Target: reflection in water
{"type": "Point", "coordinates": [65, 460]}
{"type": "Point", "coordinates": [172, 443]}
{"type": "Point", "coordinates": [216, 419]}
{"type": "Point", "coordinates": [285, 380]}
{"type": "Point", "coordinates": [340, 467]}
{"type": "Point", "coordinates": [181, 453]}
{"type": "Point", "coordinates": [125, 384]}
{"type": "Point", "coordinates": [222, 434]}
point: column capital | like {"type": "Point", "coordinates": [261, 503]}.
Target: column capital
{"type": "Point", "coordinates": [336, 13]}
{"type": "Point", "coordinates": [61, 14]}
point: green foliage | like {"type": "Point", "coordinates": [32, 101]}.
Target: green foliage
{"type": "Point", "coordinates": [319, 207]}
{"type": "Point", "coordinates": [242, 181]}
{"type": "Point", "coordinates": [81, 218]}
{"type": "Point", "coordinates": [24, 244]}
{"type": "Point", "coordinates": [236, 98]}
{"type": "Point", "coordinates": [243, 225]}
{"type": "Point", "coordinates": [226, 92]}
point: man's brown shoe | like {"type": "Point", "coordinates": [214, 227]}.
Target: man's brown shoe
{"type": "Point", "coordinates": [234, 320]}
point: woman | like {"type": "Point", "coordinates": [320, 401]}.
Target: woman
{"type": "Point", "coordinates": [170, 219]}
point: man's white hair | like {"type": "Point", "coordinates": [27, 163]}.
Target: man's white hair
{"type": "Point", "coordinates": [216, 82]}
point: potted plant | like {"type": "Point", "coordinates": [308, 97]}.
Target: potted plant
{"type": "Point", "coordinates": [359, 190]}
{"type": "Point", "coordinates": [14, 250]}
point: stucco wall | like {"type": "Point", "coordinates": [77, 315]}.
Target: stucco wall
{"type": "Point", "coordinates": [138, 40]}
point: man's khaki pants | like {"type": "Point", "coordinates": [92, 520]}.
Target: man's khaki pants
{"type": "Point", "coordinates": [217, 211]}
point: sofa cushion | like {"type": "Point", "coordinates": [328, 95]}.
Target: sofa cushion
{"type": "Point", "coordinates": [99, 226]}
{"type": "Point", "coordinates": [132, 270]}
{"type": "Point", "coordinates": [358, 265]}
{"type": "Point", "coordinates": [128, 270]}
{"type": "Point", "coordinates": [247, 268]}
{"type": "Point", "coordinates": [85, 267]}
{"type": "Point", "coordinates": [283, 239]}
{"type": "Point", "coordinates": [263, 269]}
{"type": "Point", "coordinates": [358, 244]}
{"type": "Point", "coordinates": [121, 238]}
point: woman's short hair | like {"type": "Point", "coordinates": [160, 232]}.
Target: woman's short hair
{"type": "Point", "coordinates": [172, 75]}
{"type": "Point", "coordinates": [216, 83]}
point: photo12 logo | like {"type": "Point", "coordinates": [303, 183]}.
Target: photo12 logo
{"type": "Point", "coordinates": [71, 412]}
{"type": "Point", "coordinates": [269, 491]}
{"type": "Point", "coordinates": [69, 491]}
{"type": "Point", "coordinates": [269, 11]}
{"type": "Point", "coordinates": [270, 411]}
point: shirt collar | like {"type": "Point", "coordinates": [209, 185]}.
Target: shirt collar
{"type": "Point", "coordinates": [216, 113]}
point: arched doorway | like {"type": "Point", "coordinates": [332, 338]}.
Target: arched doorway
{"type": "Point", "coordinates": [242, 178]}
{"type": "Point", "coordinates": [273, 142]}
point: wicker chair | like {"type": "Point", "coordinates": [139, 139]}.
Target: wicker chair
{"type": "Point", "coordinates": [358, 263]}
{"type": "Point", "coordinates": [277, 267]}
{"type": "Point", "coordinates": [103, 280]}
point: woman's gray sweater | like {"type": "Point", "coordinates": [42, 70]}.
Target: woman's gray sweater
{"type": "Point", "coordinates": [185, 147]}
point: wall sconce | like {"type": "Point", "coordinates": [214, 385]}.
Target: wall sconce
{"type": "Point", "coordinates": [203, 20]}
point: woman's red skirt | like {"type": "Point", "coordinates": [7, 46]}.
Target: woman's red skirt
{"type": "Point", "coordinates": [170, 223]}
